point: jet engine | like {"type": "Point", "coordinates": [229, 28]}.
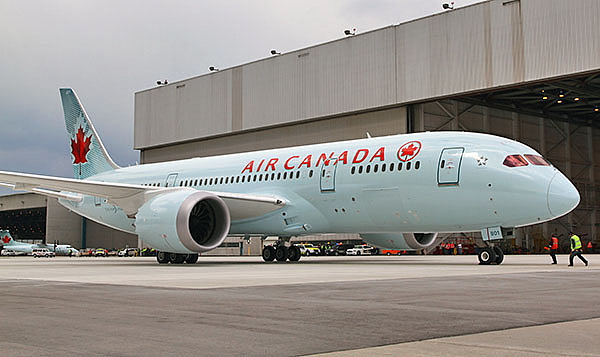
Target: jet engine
{"type": "Point", "coordinates": [183, 221]}
{"type": "Point", "coordinates": [404, 241]}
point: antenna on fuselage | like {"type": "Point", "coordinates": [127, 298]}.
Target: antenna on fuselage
{"type": "Point", "coordinates": [368, 135]}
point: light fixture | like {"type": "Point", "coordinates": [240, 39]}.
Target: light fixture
{"type": "Point", "coordinates": [162, 83]}
{"type": "Point", "coordinates": [545, 97]}
{"type": "Point", "coordinates": [597, 108]}
{"type": "Point", "coordinates": [213, 69]}
{"type": "Point", "coordinates": [350, 33]}
{"type": "Point", "coordinates": [576, 99]}
{"type": "Point", "coordinates": [274, 52]}
{"type": "Point", "coordinates": [447, 6]}
{"type": "Point", "coordinates": [559, 101]}
{"type": "Point", "coordinates": [561, 93]}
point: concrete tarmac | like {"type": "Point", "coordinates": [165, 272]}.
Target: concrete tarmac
{"type": "Point", "coordinates": [408, 305]}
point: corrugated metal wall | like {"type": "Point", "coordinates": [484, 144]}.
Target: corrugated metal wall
{"type": "Point", "coordinates": [491, 44]}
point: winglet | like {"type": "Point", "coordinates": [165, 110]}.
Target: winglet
{"type": "Point", "coordinates": [88, 153]}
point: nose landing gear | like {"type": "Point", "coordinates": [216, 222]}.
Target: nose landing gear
{"type": "Point", "coordinates": [491, 255]}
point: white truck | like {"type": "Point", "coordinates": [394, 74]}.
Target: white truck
{"type": "Point", "coordinates": [360, 250]}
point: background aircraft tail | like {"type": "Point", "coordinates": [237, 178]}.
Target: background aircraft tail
{"type": "Point", "coordinates": [6, 238]}
{"type": "Point", "coordinates": [88, 154]}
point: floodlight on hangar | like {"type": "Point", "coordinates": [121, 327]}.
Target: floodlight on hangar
{"type": "Point", "coordinates": [597, 108]}
{"type": "Point", "coordinates": [274, 52]}
{"type": "Point", "coordinates": [213, 69]}
{"type": "Point", "coordinates": [561, 93]}
{"type": "Point", "coordinates": [559, 101]}
{"type": "Point", "coordinates": [576, 99]}
{"type": "Point", "coordinates": [350, 33]}
{"type": "Point", "coordinates": [447, 6]}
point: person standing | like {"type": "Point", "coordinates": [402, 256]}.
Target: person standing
{"type": "Point", "coordinates": [576, 249]}
{"type": "Point", "coordinates": [553, 248]}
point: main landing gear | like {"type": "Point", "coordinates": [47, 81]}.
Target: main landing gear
{"type": "Point", "coordinates": [281, 252]}
{"type": "Point", "coordinates": [176, 258]}
{"type": "Point", "coordinates": [491, 255]}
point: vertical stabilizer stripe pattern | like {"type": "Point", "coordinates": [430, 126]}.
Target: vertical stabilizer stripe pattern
{"type": "Point", "coordinates": [88, 155]}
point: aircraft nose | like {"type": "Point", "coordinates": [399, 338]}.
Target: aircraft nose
{"type": "Point", "coordinates": [563, 197]}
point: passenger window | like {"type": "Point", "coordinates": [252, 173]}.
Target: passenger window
{"type": "Point", "coordinates": [310, 173]}
{"type": "Point", "coordinates": [408, 166]}
{"type": "Point", "coordinates": [399, 166]}
{"type": "Point", "coordinates": [272, 176]}
{"type": "Point", "coordinates": [297, 174]}
{"type": "Point", "coordinates": [260, 177]}
{"type": "Point", "coordinates": [382, 167]}
{"type": "Point", "coordinates": [352, 170]}
{"type": "Point", "coordinates": [279, 175]}
{"type": "Point", "coordinates": [375, 168]}
{"type": "Point", "coordinates": [417, 165]}
{"type": "Point", "coordinates": [392, 166]}
{"type": "Point", "coordinates": [254, 178]}
{"type": "Point", "coordinates": [285, 175]}
{"type": "Point", "coordinates": [360, 169]}
{"type": "Point", "coordinates": [368, 168]}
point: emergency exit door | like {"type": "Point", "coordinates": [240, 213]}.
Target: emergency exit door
{"type": "Point", "coordinates": [327, 175]}
{"type": "Point", "coordinates": [449, 166]}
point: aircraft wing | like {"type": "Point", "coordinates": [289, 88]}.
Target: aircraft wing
{"type": "Point", "coordinates": [131, 197]}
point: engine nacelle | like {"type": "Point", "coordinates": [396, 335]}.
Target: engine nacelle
{"type": "Point", "coordinates": [183, 221]}
{"type": "Point", "coordinates": [404, 241]}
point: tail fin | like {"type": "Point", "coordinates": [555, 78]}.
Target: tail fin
{"type": "Point", "coordinates": [6, 238]}
{"type": "Point", "coordinates": [89, 155]}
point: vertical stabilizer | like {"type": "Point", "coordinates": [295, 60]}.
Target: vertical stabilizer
{"type": "Point", "coordinates": [87, 152]}
{"type": "Point", "coordinates": [6, 239]}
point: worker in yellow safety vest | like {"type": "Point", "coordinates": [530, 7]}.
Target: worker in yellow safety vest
{"type": "Point", "coordinates": [576, 249]}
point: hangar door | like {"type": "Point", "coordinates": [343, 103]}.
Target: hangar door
{"type": "Point", "coordinates": [449, 166]}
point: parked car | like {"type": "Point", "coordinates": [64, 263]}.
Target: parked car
{"type": "Point", "coordinates": [307, 249]}
{"type": "Point", "coordinates": [10, 252]}
{"type": "Point", "coordinates": [128, 252]}
{"type": "Point", "coordinates": [339, 249]}
{"type": "Point", "coordinates": [100, 252]}
{"type": "Point", "coordinates": [361, 250]}
{"type": "Point", "coordinates": [42, 252]}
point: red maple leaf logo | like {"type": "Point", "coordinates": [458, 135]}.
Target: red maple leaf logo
{"type": "Point", "coordinates": [6, 240]}
{"type": "Point", "coordinates": [409, 150]}
{"type": "Point", "coordinates": [80, 146]}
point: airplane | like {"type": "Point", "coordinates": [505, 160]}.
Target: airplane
{"type": "Point", "coordinates": [9, 243]}
{"type": "Point", "coordinates": [397, 192]}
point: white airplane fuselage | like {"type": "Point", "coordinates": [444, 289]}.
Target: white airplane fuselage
{"type": "Point", "coordinates": [447, 182]}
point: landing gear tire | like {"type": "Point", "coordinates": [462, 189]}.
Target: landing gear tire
{"type": "Point", "coordinates": [281, 253]}
{"type": "Point", "coordinates": [162, 257]}
{"type": "Point", "coordinates": [499, 255]}
{"type": "Point", "coordinates": [268, 254]}
{"type": "Point", "coordinates": [176, 258]}
{"type": "Point", "coordinates": [487, 256]}
{"type": "Point", "coordinates": [294, 254]}
{"type": "Point", "coordinates": [191, 259]}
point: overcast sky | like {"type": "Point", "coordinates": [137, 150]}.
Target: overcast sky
{"type": "Point", "coordinates": [107, 50]}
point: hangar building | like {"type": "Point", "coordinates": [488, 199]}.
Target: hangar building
{"type": "Point", "coordinates": [523, 69]}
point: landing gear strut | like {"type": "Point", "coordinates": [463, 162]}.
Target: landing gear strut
{"type": "Point", "coordinates": [281, 252]}
{"type": "Point", "coordinates": [491, 255]}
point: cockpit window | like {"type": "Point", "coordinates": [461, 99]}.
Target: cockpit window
{"type": "Point", "coordinates": [537, 160]}
{"type": "Point", "coordinates": [515, 161]}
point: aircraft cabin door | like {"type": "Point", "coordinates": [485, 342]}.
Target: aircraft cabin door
{"type": "Point", "coordinates": [449, 166]}
{"type": "Point", "coordinates": [327, 175]}
{"type": "Point", "coordinates": [170, 181]}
